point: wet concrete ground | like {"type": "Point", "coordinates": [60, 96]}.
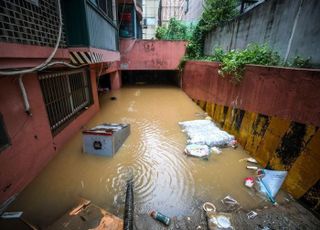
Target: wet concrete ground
{"type": "Point", "coordinates": [288, 215]}
{"type": "Point", "coordinates": [165, 179]}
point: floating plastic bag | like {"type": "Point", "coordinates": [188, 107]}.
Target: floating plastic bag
{"type": "Point", "coordinates": [271, 181]}
{"type": "Point", "coordinates": [197, 150]}
{"type": "Point", "coordinates": [217, 220]}
{"type": "Point", "coordinates": [215, 150]}
{"type": "Point", "coordinates": [205, 132]}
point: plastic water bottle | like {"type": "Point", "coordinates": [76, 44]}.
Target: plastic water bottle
{"type": "Point", "coordinates": [160, 217]}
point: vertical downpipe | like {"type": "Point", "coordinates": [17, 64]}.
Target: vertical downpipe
{"type": "Point", "coordinates": [24, 96]}
{"type": "Point", "coordinates": [293, 32]}
{"type": "Point", "coordinates": [135, 24]}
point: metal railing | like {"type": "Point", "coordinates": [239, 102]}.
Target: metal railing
{"type": "Point", "coordinates": [65, 95]}
{"type": "Point", "coordinates": [102, 32]}
{"type": "Point", "coordinates": [26, 23]}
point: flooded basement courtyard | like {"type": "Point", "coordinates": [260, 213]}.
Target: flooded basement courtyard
{"type": "Point", "coordinates": [165, 179]}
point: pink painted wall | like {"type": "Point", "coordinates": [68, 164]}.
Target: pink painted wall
{"type": "Point", "coordinates": [284, 92]}
{"type": "Point", "coordinates": [13, 55]}
{"type": "Point", "coordinates": [32, 144]}
{"type": "Point", "coordinates": [116, 82]}
{"type": "Point", "coordinates": [151, 54]}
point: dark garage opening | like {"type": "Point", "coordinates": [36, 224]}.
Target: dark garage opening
{"type": "Point", "coordinates": [150, 77]}
{"type": "Point", "coordinates": [104, 82]}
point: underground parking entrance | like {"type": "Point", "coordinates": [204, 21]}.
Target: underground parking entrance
{"type": "Point", "coordinates": [151, 77]}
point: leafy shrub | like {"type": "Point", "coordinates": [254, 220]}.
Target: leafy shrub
{"type": "Point", "coordinates": [233, 62]}
{"type": "Point", "coordinates": [301, 62]}
{"type": "Point", "coordinates": [176, 30]}
{"type": "Point", "coordinates": [215, 12]}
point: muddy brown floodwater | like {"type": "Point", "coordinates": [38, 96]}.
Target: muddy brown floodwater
{"type": "Point", "coordinates": [164, 178]}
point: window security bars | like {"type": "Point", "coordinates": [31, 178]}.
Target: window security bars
{"type": "Point", "coordinates": [65, 95]}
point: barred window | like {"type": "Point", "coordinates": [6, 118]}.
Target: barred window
{"type": "Point", "coordinates": [65, 94]}
{"type": "Point", "coordinates": [4, 138]}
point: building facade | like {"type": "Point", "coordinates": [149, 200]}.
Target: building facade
{"type": "Point", "coordinates": [170, 9]}
{"type": "Point", "coordinates": [53, 54]}
{"type": "Point", "coordinates": [191, 10]}
{"type": "Point", "coordinates": [150, 18]}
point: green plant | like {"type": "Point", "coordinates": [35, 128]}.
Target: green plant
{"type": "Point", "coordinates": [301, 62]}
{"type": "Point", "coordinates": [176, 30]}
{"type": "Point", "coordinates": [161, 32]}
{"type": "Point", "coordinates": [215, 12]}
{"type": "Point", "coordinates": [233, 62]}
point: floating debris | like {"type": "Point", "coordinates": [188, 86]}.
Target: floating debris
{"type": "Point", "coordinates": [231, 203]}
{"type": "Point", "coordinates": [215, 150]}
{"type": "Point", "coordinates": [252, 167]}
{"type": "Point", "coordinates": [251, 214]}
{"type": "Point", "coordinates": [252, 160]}
{"type": "Point", "coordinates": [249, 182]}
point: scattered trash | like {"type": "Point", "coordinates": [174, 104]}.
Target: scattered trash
{"type": "Point", "coordinates": [84, 215]}
{"type": "Point", "coordinates": [252, 167]}
{"type": "Point", "coordinates": [251, 214]}
{"type": "Point", "coordinates": [231, 203]}
{"type": "Point", "coordinates": [265, 228]}
{"type": "Point", "coordinates": [233, 144]}
{"type": "Point", "coordinates": [160, 217]}
{"type": "Point", "coordinates": [249, 182]}
{"type": "Point", "coordinates": [205, 132]}
{"type": "Point", "coordinates": [252, 160]}
{"type": "Point", "coordinates": [228, 200]}
{"type": "Point", "coordinates": [270, 182]}
{"type": "Point", "coordinates": [82, 205]}
{"type": "Point", "coordinates": [103, 90]}
{"type": "Point", "coordinates": [197, 150]}
{"type": "Point", "coordinates": [216, 220]}
{"type": "Point", "coordinates": [221, 221]}
{"type": "Point", "coordinates": [209, 207]}
{"type": "Point", "coordinates": [11, 215]}
{"type": "Point", "coordinates": [215, 150]}
{"type": "Point", "coordinates": [113, 98]}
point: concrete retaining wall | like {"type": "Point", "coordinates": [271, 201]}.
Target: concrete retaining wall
{"type": "Point", "coordinates": [273, 112]}
{"type": "Point", "coordinates": [274, 22]}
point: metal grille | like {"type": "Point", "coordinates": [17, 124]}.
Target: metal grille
{"type": "Point", "coordinates": [24, 22]}
{"type": "Point", "coordinates": [65, 95]}
{"type": "Point", "coordinates": [102, 34]}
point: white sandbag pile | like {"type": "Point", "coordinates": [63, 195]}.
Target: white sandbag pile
{"type": "Point", "coordinates": [205, 132]}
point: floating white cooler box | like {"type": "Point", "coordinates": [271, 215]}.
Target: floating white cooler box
{"type": "Point", "coordinates": [105, 139]}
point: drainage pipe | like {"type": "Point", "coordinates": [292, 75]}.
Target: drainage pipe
{"type": "Point", "coordinates": [293, 32]}
{"type": "Point", "coordinates": [24, 96]}
{"type": "Point", "coordinates": [129, 208]}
